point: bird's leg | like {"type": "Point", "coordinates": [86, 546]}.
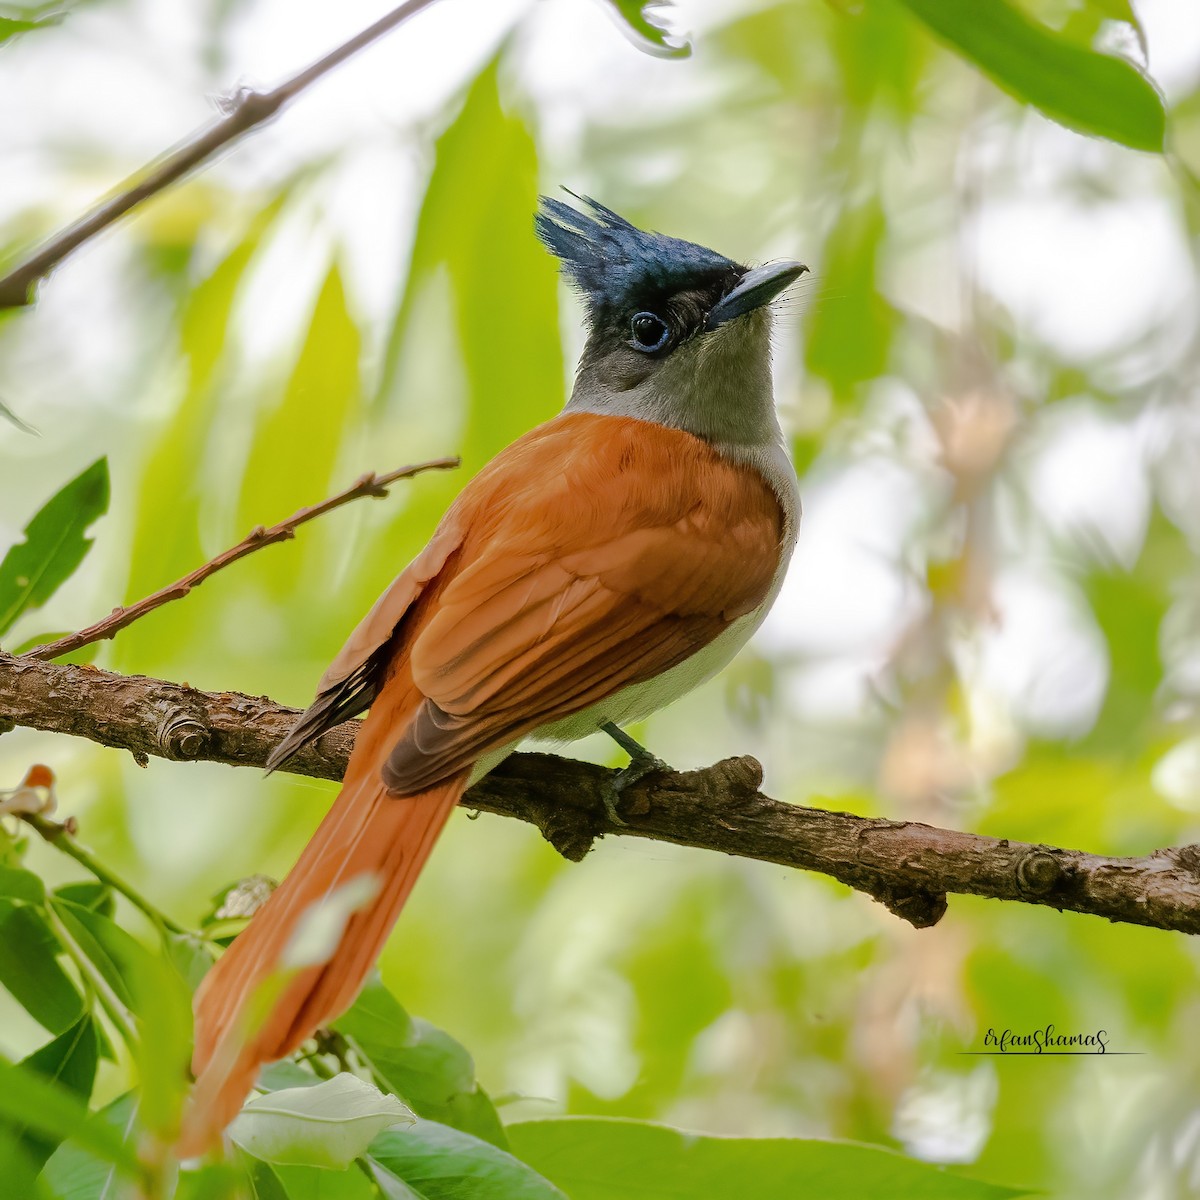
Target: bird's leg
{"type": "Point", "coordinates": [641, 764]}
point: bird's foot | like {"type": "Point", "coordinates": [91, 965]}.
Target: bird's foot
{"type": "Point", "coordinates": [641, 763]}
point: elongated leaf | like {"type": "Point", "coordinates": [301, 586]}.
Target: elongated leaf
{"type": "Point", "coordinates": [158, 996]}
{"type": "Point", "coordinates": [81, 928]}
{"type": "Point", "coordinates": [436, 1162]}
{"type": "Point", "coordinates": [296, 446]}
{"type": "Point", "coordinates": [176, 466]}
{"type": "Point", "coordinates": [69, 1060]}
{"type": "Point", "coordinates": [1090, 92]}
{"type": "Point", "coordinates": [329, 1125]}
{"type": "Point", "coordinates": [422, 1064]}
{"type": "Point", "coordinates": [36, 1103]}
{"type": "Point", "coordinates": [54, 544]}
{"type": "Point", "coordinates": [30, 971]}
{"type": "Point", "coordinates": [648, 31]}
{"type": "Point", "coordinates": [593, 1158]}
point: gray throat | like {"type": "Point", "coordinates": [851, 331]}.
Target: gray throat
{"type": "Point", "coordinates": [717, 386]}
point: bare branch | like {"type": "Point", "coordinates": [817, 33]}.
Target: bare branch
{"type": "Point", "coordinates": [246, 110]}
{"type": "Point", "coordinates": [368, 485]}
{"type": "Point", "coordinates": [907, 866]}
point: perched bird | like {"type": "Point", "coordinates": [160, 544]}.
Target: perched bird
{"type": "Point", "coordinates": [600, 567]}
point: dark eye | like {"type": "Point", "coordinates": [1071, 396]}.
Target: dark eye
{"type": "Point", "coordinates": [650, 333]}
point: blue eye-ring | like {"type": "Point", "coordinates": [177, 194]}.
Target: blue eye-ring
{"type": "Point", "coordinates": [650, 332]}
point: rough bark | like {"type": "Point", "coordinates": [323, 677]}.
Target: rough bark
{"type": "Point", "coordinates": [905, 865]}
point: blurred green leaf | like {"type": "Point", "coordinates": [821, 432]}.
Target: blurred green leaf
{"type": "Point", "coordinates": [650, 33]}
{"type": "Point", "coordinates": [18, 1171]}
{"type": "Point", "coordinates": [18, 884]}
{"type": "Point", "coordinates": [54, 544]}
{"type": "Point", "coordinates": [423, 1065]}
{"type": "Point", "coordinates": [54, 1111]}
{"type": "Point", "coordinates": [328, 1125]}
{"type": "Point", "coordinates": [1084, 90]}
{"type": "Point", "coordinates": [296, 445]}
{"type": "Point", "coordinates": [850, 335]}
{"type": "Point", "coordinates": [213, 1181]}
{"type": "Point", "coordinates": [9, 28]}
{"type": "Point", "coordinates": [176, 479]}
{"type": "Point", "coordinates": [605, 1159]}
{"type": "Point", "coordinates": [477, 223]}
{"type": "Point", "coordinates": [75, 1173]}
{"type": "Point", "coordinates": [30, 971]}
{"type": "Point", "coordinates": [435, 1162]}
{"type": "Point", "coordinates": [1129, 606]}
{"type": "Point", "coordinates": [69, 1060]}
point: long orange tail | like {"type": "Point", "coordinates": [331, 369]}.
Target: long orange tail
{"type": "Point", "coordinates": [366, 834]}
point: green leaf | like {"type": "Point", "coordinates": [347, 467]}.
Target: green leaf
{"type": "Point", "coordinates": [30, 971]}
{"type": "Point", "coordinates": [264, 1183]}
{"type": "Point", "coordinates": [423, 1065]}
{"type": "Point", "coordinates": [1130, 606]}
{"type": "Point", "coordinates": [316, 1183]}
{"type": "Point", "coordinates": [329, 1125]}
{"type": "Point", "coordinates": [296, 445]}
{"type": "Point", "coordinates": [165, 542]}
{"type": "Point", "coordinates": [213, 1181]}
{"type": "Point", "coordinates": [476, 225]}
{"type": "Point", "coordinates": [155, 991]}
{"type": "Point", "coordinates": [436, 1162]}
{"type": "Point", "coordinates": [90, 894]}
{"type": "Point", "coordinates": [18, 884]}
{"type": "Point", "coordinates": [34, 1102]}
{"type": "Point", "coordinates": [1080, 88]}
{"type": "Point", "coordinates": [850, 338]}
{"type": "Point", "coordinates": [69, 1060]}
{"type": "Point", "coordinates": [84, 925]}
{"type": "Point", "coordinates": [9, 28]}
{"type": "Point", "coordinates": [593, 1158]}
{"type": "Point", "coordinates": [74, 1173]}
{"type": "Point", "coordinates": [649, 32]}
{"type": "Point", "coordinates": [18, 1171]}
{"type": "Point", "coordinates": [54, 544]}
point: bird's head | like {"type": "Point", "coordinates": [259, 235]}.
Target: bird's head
{"type": "Point", "coordinates": [677, 334]}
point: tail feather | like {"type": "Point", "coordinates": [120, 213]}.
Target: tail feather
{"type": "Point", "coordinates": [367, 832]}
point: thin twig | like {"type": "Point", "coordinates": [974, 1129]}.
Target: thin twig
{"type": "Point", "coordinates": [120, 618]}
{"type": "Point", "coordinates": [907, 866]}
{"type": "Point", "coordinates": [246, 110]}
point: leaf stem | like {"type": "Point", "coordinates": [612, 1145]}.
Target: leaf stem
{"type": "Point", "coordinates": [61, 836]}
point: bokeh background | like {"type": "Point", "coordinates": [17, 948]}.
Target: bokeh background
{"type": "Point", "coordinates": [990, 383]}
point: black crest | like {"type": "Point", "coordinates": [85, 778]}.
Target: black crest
{"type": "Point", "coordinates": [616, 266]}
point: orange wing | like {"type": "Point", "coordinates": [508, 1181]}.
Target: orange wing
{"type": "Point", "coordinates": [599, 553]}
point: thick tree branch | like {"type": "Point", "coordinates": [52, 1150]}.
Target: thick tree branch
{"type": "Point", "coordinates": [246, 110]}
{"type": "Point", "coordinates": [907, 866]}
{"type": "Point", "coordinates": [120, 618]}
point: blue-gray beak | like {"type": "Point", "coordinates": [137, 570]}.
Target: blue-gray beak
{"type": "Point", "coordinates": [754, 289]}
